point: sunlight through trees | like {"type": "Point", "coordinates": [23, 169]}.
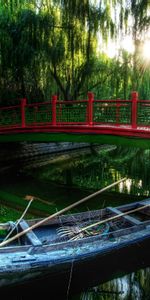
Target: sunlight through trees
{"type": "Point", "coordinates": [70, 47]}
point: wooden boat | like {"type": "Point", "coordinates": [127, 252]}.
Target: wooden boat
{"type": "Point", "coordinates": [74, 244]}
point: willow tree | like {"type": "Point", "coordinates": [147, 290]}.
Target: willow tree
{"type": "Point", "coordinates": [137, 12]}
{"type": "Point", "coordinates": [18, 44]}
{"type": "Point", "coordinates": [49, 46]}
{"type": "Point", "coordinates": [71, 46]}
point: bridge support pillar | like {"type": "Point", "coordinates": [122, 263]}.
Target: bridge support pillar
{"type": "Point", "coordinates": [54, 117]}
{"type": "Point", "coordinates": [134, 96]}
{"type": "Point", "coordinates": [23, 115]}
{"type": "Point", "coordinates": [90, 109]}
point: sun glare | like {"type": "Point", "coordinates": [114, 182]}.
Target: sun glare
{"type": "Point", "coordinates": [113, 48]}
{"type": "Point", "coordinates": [146, 50]}
{"type": "Point", "coordinates": [127, 44]}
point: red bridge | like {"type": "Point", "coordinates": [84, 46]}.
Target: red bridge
{"type": "Point", "coordinates": [128, 118]}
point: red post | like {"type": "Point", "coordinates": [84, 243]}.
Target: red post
{"type": "Point", "coordinates": [23, 113]}
{"type": "Point", "coordinates": [90, 108]}
{"type": "Point", "coordinates": [134, 97]}
{"type": "Point", "coordinates": [117, 112]}
{"type": "Point", "coordinates": [54, 118]}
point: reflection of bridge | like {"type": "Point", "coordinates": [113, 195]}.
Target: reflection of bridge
{"type": "Point", "coordinates": [126, 118]}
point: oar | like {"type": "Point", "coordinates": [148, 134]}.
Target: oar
{"type": "Point", "coordinates": [60, 212]}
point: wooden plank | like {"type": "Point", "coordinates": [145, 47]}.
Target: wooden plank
{"type": "Point", "coordinates": [132, 205]}
{"type": "Point", "coordinates": [30, 235]}
{"type": "Point", "coordinates": [130, 219]}
{"type": "Point", "coordinates": [145, 211]}
{"type": "Point", "coordinates": [144, 203]}
{"type": "Point", "coordinates": [128, 230]}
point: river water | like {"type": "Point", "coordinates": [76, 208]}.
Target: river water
{"type": "Point", "coordinates": [65, 178]}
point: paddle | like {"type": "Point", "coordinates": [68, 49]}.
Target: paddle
{"type": "Point", "coordinates": [59, 212]}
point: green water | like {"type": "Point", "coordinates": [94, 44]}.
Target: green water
{"type": "Point", "coordinates": [70, 178]}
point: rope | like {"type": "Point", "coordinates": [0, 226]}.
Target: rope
{"type": "Point", "coordinates": [19, 220]}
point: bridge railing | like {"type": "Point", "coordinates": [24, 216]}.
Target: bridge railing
{"type": "Point", "coordinates": [71, 112]}
{"type": "Point", "coordinates": [143, 116]}
{"type": "Point", "coordinates": [89, 112]}
{"type": "Point", "coordinates": [38, 114]}
{"type": "Point", "coordinates": [92, 112]}
{"type": "Point", "coordinates": [10, 116]}
{"type": "Point", "coordinates": [112, 112]}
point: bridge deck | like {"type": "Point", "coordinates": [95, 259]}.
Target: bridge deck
{"type": "Point", "coordinates": [119, 130]}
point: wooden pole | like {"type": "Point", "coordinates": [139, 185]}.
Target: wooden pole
{"type": "Point", "coordinates": [59, 212]}
{"type": "Point", "coordinates": [114, 217]}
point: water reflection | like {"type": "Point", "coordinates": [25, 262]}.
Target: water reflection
{"type": "Point", "coordinates": [98, 168]}
{"type": "Point", "coordinates": [129, 287]}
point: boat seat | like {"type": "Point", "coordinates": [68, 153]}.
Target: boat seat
{"type": "Point", "coordinates": [30, 235]}
{"type": "Point", "coordinates": [130, 219]}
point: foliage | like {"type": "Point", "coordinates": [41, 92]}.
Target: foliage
{"type": "Point", "coordinates": [49, 47]}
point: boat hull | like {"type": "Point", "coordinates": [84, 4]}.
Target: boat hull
{"type": "Point", "coordinates": [44, 257]}
{"type": "Point", "coordinates": [79, 273]}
